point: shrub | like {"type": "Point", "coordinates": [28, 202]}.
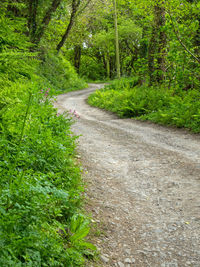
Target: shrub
{"type": "Point", "coordinates": [171, 107]}
{"type": "Point", "coordinates": [58, 73]}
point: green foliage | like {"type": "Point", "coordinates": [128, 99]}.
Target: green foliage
{"type": "Point", "coordinates": [40, 181]}
{"type": "Point", "coordinates": [91, 70]}
{"type": "Point", "coordinates": [171, 107]}
{"type": "Point", "coordinates": [183, 111]}
{"type": "Point", "coordinates": [57, 72]}
{"type": "Point", "coordinates": [15, 59]}
{"type": "Point", "coordinates": [40, 187]}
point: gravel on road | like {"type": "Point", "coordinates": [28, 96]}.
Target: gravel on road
{"type": "Point", "coordinates": [143, 186]}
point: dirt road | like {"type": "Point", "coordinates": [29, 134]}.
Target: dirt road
{"type": "Point", "coordinates": [144, 187]}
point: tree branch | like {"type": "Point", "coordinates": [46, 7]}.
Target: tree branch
{"type": "Point", "coordinates": [181, 42]}
{"type": "Point", "coordinates": [83, 8]}
{"type": "Point", "coordinates": [75, 5]}
{"type": "Point", "coordinates": [46, 20]}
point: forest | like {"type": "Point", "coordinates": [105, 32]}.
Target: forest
{"type": "Point", "coordinates": [149, 54]}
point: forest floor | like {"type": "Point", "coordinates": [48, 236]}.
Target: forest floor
{"type": "Point", "coordinates": [143, 187]}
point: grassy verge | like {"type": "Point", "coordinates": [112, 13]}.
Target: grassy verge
{"type": "Point", "coordinates": [160, 105]}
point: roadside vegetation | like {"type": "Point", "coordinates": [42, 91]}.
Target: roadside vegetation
{"type": "Point", "coordinates": [42, 222]}
{"type": "Point", "coordinates": [168, 107]}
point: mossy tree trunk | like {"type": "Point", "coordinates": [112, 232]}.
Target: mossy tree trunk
{"type": "Point", "coordinates": [32, 18]}
{"type": "Point", "coordinates": [36, 30]}
{"type": "Point", "coordinates": [157, 47]}
{"type": "Point", "coordinates": [77, 57]}
{"type": "Point", "coordinates": [46, 20]}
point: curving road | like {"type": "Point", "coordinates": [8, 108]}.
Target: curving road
{"type": "Point", "coordinates": [144, 186]}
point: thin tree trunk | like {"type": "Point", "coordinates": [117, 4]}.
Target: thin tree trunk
{"type": "Point", "coordinates": [116, 40]}
{"type": "Point", "coordinates": [143, 44]}
{"type": "Point", "coordinates": [161, 45]}
{"type": "Point", "coordinates": [151, 55]}
{"type": "Point", "coordinates": [197, 40]}
{"type": "Point", "coordinates": [77, 57]}
{"type": "Point", "coordinates": [108, 65]}
{"type": "Point", "coordinates": [157, 47]}
{"type": "Point", "coordinates": [75, 5]}
{"type": "Point", "coordinates": [32, 18]}
{"type": "Point", "coordinates": [182, 43]}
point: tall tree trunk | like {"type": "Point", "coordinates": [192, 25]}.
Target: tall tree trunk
{"type": "Point", "coordinates": [157, 47]}
{"type": "Point", "coordinates": [45, 22]}
{"type": "Point", "coordinates": [108, 65]}
{"type": "Point", "coordinates": [197, 40]}
{"type": "Point", "coordinates": [32, 18]}
{"type": "Point", "coordinates": [116, 40]}
{"type": "Point", "coordinates": [75, 5]}
{"type": "Point", "coordinates": [151, 55]}
{"type": "Point", "coordinates": [143, 45]}
{"type": "Point", "coordinates": [77, 57]}
{"type": "Point", "coordinates": [161, 45]}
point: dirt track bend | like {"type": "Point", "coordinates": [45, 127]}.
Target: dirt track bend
{"type": "Point", "coordinates": [144, 187]}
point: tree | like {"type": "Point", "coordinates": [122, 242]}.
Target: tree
{"type": "Point", "coordinates": [75, 5]}
{"type": "Point", "coordinates": [76, 9]}
{"type": "Point", "coordinates": [116, 40]}
{"type": "Point", "coordinates": [157, 46]}
{"type": "Point", "coordinates": [77, 57]}
{"type": "Point", "coordinates": [36, 31]}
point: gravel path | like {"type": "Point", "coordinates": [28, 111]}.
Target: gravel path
{"type": "Point", "coordinates": [144, 187]}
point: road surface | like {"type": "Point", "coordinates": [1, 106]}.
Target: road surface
{"type": "Point", "coordinates": [143, 189]}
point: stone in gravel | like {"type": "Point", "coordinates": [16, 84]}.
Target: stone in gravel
{"type": "Point", "coordinates": [133, 260]}
{"type": "Point", "coordinates": [120, 264]}
{"type": "Point", "coordinates": [128, 251]}
{"type": "Point", "coordinates": [104, 258]}
{"type": "Point", "coordinates": [158, 231]}
{"type": "Point", "coordinates": [127, 260]}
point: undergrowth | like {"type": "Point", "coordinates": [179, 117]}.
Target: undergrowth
{"type": "Point", "coordinates": [58, 73]}
{"type": "Point", "coordinates": [41, 217]}
{"type": "Point", "coordinates": [41, 223]}
{"type": "Point", "coordinates": [160, 105]}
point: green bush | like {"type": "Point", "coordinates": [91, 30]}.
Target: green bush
{"type": "Point", "coordinates": [160, 105]}
{"type": "Point", "coordinates": [40, 223]}
{"type": "Point", "coordinates": [183, 111]}
{"type": "Point", "coordinates": [58, 73]}
{"type": "Point", "coordinates": [91, 69]}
